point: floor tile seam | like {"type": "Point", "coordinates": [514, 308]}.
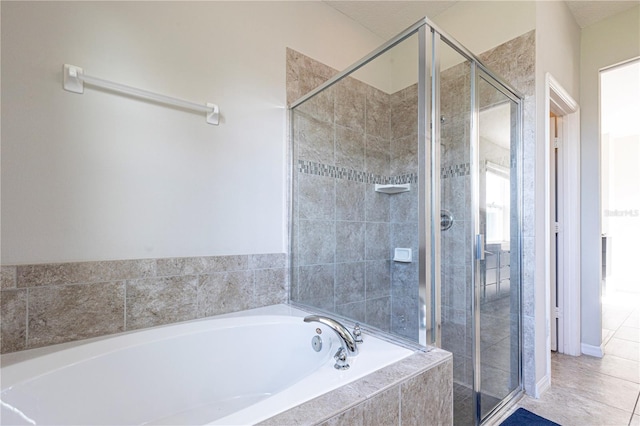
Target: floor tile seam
{"type": "Point", "coordinates": [626, 340]}
{"type": "Point", "coordinates": [582, 392]}
{"type": "Point", "coordinates": [580, 397]}
{"type": "Point", "coordinates": [596, 373]}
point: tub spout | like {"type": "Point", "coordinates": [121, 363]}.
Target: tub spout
{"type": "Point", "coordinates": [346, 338]}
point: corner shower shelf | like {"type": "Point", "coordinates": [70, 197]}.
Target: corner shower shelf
{"type": "Point", "coordinates": [393, 189]}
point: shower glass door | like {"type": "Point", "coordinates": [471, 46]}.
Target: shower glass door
{"type": "Point", "coordinates": [497, 282]}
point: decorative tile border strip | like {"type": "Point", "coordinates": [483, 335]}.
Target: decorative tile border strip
{"type": "Point", "coordinates": [456, 170]}
{"type": "Point", "coordinates": [319, 169]}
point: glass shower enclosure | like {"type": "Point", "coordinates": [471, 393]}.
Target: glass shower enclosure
{"type": "Point", "coordinates": [405, 208]}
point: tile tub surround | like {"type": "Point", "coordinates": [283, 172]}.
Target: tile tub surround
{"type": "Point", "coordinates": [417, 390]}
{"type": "Point", "coordinates": [46, 304]}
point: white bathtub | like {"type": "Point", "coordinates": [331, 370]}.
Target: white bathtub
{"type": "Point", "coordinates": [234, 369]}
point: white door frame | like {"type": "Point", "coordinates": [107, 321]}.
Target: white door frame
{"type": "Point", "coordinates": [558, 101]}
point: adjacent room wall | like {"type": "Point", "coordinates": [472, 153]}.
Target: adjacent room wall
{"type": "Point", "coordinates": [100, 176]}
{"type": "Point", "coordinates": [603, 44]}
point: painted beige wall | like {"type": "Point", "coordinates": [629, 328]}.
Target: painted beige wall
{"type": "Point", "coordinates": [100, 176]}
{"type": "Point", "coordinates": [603, 44]}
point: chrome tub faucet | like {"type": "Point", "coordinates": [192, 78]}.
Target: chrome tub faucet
{"type": "Point", "coordinates": [349, 346]}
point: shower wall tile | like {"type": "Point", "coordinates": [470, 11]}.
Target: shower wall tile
{"type": "Point", "coordinates": [377, 241]}
{"type": "Point", "coordinates": [320, 107]}
{"type": "Point", "coordinates": [404, 277]}
{"type": "Point", "coordinates": [317, 242]}
{"type": "Point", "coordinates": [378, 278]}
{"type": "Point", "coordinates": [377, 155]}
{"type": "Point", "coordinates": [350, 241]}
{"type": "Point", "coordinates": [455, 197]}
{"type": "Point", "coordinates": [404, 206]}
{"type": "Point", "coordinates": [349, 283]}
{"type": "Point", "coordinates": [377, 206]}
{"type": "Point", "coordinates": [303, 75]}
{"type": "Point", "coordinates": [404, 316]}
{"type": "Point", "coordinates": [350, 200]}
{"type": "Point", "coordinates": [317, 284]}
{"type": "Point", "coordinates": [404, 154]}
{"type": "Point", "coordinates": [63, 313]}
{"type": "Point", "coordinates": [316, 197]}
{"type": "Point", "coordinates": [519, 71]}
{"type": "Point", "coordinates": [13, 328]}
{"type": "Point", "coordinates": [378, 113]}
{"type": "Point", "coordinates": [157, 301]}
{"type": "Point", "coordinates": [314, 140]}
{"type": "Point", "coordinates": [454, 338]}
{"type": "Point", "coordinates": [350, 103]}
{"type": "Point", "coordinates": [349, 148]}
{"type": "Point", "coordinates": [404, 118]}
{"type": "Point", "coordinates": [356, 311]}
{"type": "Point", "coordinates": [149, 292]}
{"type": "Point", "coordinates": [379, 313]}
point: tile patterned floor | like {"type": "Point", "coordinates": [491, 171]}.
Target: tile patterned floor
{"type": "Point", "coordinates": [589, 391]}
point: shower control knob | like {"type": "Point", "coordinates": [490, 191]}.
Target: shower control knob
{"type": "Point", "coordinates": [446, 220]}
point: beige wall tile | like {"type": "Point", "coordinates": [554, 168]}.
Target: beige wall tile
{"type": "Point", "coordinates": [157, 301]}
{"type": "Point", "coordinates": [222, 293]}
{"type": "Point", "coordinates": [83, 272]}
{"type": "Point", "coordinates": [384, 408]}
{"type": "Point", "coordinates": [8, 277]}
{"type": "Point", "coordinates": [267, 261]}
{"type": "Point", "coordinates": [201, 265]}
{"type": "Point", "coordinates": [437, 408]}
{"type": "Point", "coordinates": [13, 310]}
{"type": "Point", "coordinates": [71, 312]}
{"type": "Point", "coordinates": [270, 287]}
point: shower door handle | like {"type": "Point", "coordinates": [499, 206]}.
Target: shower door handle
{"type": "Point", "coordinates": [479, 247]}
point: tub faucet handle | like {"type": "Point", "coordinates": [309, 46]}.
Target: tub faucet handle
{"type": "Point", "coordinates": [341, 359]}
{"type": "Point", "coordinates": [357, 333]}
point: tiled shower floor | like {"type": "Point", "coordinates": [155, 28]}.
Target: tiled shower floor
{"type": "Point", "coordinates": [463, 413]}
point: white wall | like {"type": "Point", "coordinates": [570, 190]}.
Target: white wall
{"type": "Point", "coordinates": [483, 25]}
{"type": "Point", "coordinates": [557, 53]}
{"type": "Point", "coordinates": [101, 176]}
{"type": "Point", "coordinates": [603, 44]}
{"type": "Point", "coordinates": [468, 22]}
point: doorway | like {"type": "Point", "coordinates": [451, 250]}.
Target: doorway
{"type": "Point", "coordinates": [620, 186]}
{"type": "Point", "coordinates": [562, 240]}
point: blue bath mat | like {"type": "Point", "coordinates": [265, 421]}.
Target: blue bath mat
{"type": "Point", "coordinates": [522, 417]}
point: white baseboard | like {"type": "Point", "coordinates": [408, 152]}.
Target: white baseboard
{"type": "Point", "coordinates": [542, 386]}
{"type": "Point", "coordinates": [591, 350]}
